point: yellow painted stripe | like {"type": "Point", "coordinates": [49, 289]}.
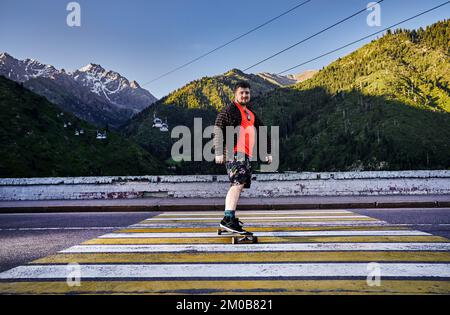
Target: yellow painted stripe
{"type": "Point", "coordinates": [262, 220]}
{"type": "Point", "coordinates": [287, 211]}
{"type": "Point", "coordinates": [266, 229]}
{"type": "Point", "coordinates": [266, 239]}
{"type": "Point", "coordinates": [180, 257]}
{"type": "Point", "coordinates": [231, 287]}
{"type": "Point", "coordinates": [245, 215]}
{"type": "Point", "coordinates": [256, 213]}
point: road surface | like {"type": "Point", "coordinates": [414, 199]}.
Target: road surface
{"type": "Point", "coordinates": [299, 252]}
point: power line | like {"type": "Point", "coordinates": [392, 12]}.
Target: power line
{"type": "Point", "coordinates": [314, 35]}
{"type": "Point", "coordinates": [365, 37]}
{"type": "Point", "coordinates": [229, 42]}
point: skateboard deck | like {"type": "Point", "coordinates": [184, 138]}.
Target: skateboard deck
{"type": "Point", "coordinates": [236, 238]}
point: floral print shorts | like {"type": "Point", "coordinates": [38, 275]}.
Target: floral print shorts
{"type": "Point", "coordinates": [239, 172]}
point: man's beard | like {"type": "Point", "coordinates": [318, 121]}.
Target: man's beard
{"type": "Point", "coordinates": [244, 102]}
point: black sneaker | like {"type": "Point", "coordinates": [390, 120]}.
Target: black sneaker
{"type": "Point", "coordinates": [232, 225]}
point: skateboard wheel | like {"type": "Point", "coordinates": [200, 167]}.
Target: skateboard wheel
{"type": "Point", "coordinates": [234, 240]}
{"type": "Point", "coordinates": [219, 232]}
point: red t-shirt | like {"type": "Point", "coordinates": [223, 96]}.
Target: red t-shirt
{"type": "Point", "coordinates": [246, 139]}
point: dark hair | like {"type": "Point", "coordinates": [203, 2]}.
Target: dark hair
{"type": "Point", "coordinates": [241, 84]}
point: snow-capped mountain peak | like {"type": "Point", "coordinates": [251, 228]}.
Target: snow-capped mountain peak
{"type": "Point", "coordinates": [100, 81]}
{"type": "Point", "coordinates": [23, 70]}
{"type": "Point", "coordinates": [4, 55]}
{"type": "Point", "coordinates": [134, 85]}
{"type": "Point", "coordinates": [108, 86]}
{"type": "Point", "coordinates": [92, 67]}
{"type": "Point", "coordinates": [112, 86]}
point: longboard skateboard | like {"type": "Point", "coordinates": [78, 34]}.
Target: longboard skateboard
{"type": "Point", "coordinates": [236, 238]}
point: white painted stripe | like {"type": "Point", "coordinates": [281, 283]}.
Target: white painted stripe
{"type": "Point", "coordinates": [422, 224]}
{"type": "Point", "coordinates": [275, 234]}
{"type": "Point", "coordinates": [261, 224]}
{"type": "Point", "coordinates": [421, 209]}
{"type": "Point", "coordinates": [246, 212]}
{"type": "Point", "coordinates": [262, 218]}
{"type": "Point", "coordinates": [64, 228]}
{"type": "Point", "coordinates": [403, 270]}
{"type": "Point", "coordinates": [259, 247]}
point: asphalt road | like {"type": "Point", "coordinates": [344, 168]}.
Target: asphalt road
{"type": "Point", "coordinates": [26, 237]}
{"type": "Point", "coordinates": [432, 220]}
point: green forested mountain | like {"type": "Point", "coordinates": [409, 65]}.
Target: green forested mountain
{"type": "Point", "coordinates": [384, 106]}
{"type": "Point", "coordinates": [215, 91]}
{"type": "Point", "coordinates": [35, 143]}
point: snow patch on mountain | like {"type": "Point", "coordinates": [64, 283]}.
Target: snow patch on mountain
{"type": "Point", "coordinates": [114, 88]}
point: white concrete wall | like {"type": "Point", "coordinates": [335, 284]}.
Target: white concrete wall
{"type": "Point", "coordinates": [263, 185]}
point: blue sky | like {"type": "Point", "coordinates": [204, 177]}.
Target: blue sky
{"type": "Point", "coordinates": [143, 39]}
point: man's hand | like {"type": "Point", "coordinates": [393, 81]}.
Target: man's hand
{"type": "Point", "coordinates": [268, 159]}
{"type": "Point", "coordinates": [219, 159]}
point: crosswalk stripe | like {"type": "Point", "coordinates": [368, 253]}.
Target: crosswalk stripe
{"type": "Point", "coordinates": [261, 240]}
{"type": "Point", "coordinates": [205, 257]}
{"type": "Point", "coordinates": [285, 218]}
{"type": "Point", "coordinates": [267, 270]}
{"type": "Point", "coordinates": [240, 287]}
{"type": "Point", "coordinates": [270, 229]}
{"type": "Point", "coordinates": [258, 247]}
{"type": "Point", "coordinates": [254, 213]}
{"type": "Point", "coordinates": [279, 234]}
{"type": "Point", "coordinates": [260, 224]}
